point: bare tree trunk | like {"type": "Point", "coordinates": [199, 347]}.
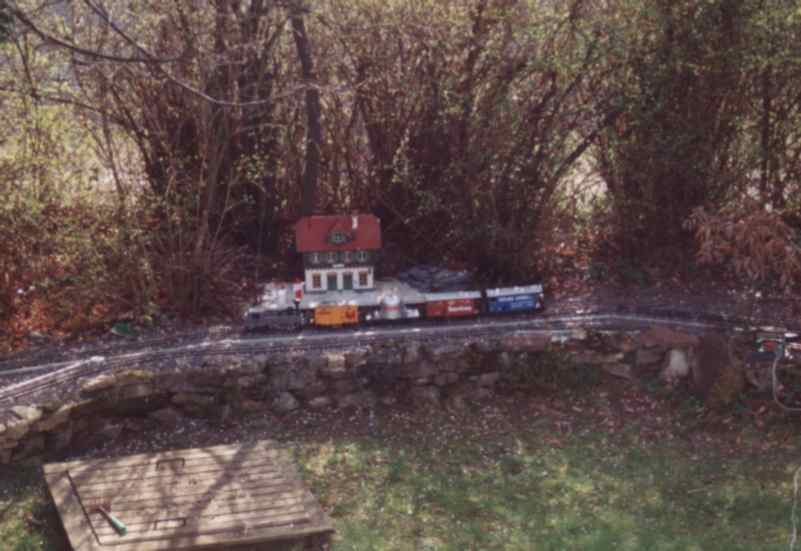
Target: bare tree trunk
{"type": "Point", "coordinates": [314, 132]}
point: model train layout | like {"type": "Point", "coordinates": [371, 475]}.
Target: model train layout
{"type": "Point", "coordinates": [340, 289]}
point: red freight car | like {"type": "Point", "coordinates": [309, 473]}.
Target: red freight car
{"type": "Point", "coordinates": [458, 304]}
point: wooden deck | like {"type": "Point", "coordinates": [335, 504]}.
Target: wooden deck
{"type": "Point", "coordinates": [221, 497]}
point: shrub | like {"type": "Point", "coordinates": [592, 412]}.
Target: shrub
{"type": "Point", "coordinates": [755, 244]}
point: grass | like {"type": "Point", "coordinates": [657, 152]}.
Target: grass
{"type": "Point", "coordinates": [446, 484]}
{"type": "Point", "coordinates": [594, 493]}
{"type": "Point", "coordinates": [28, 519]}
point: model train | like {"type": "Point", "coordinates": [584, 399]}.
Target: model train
{"type": "Point", "coordinates": [339, 286]}
{"type": "Point", "coordinates": [286, 306]}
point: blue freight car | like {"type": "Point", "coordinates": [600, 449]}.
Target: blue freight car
{"type": "Point", "coordinates": [514, 299]}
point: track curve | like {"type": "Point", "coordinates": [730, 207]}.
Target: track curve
{"type": "Point", "coordinates": [22, 382]}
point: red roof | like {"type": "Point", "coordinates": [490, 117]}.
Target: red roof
{"type": "Point", "coordinates": [338, 233]}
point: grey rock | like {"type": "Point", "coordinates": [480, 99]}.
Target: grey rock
{"type": "Point", "coordinates": [284, 403]}
{"type": "Point", "coordinates": [648, 356]}
{"type": "Point", "coordinates": [488, 379]}
{"type": "Point", "coordinates": [482, 393]}
{"type": "Point", "coordinates": [109, 431]}
{"type": "Point", "coordinates": [248, 381]}
{"type": "Point", "coordinates": [252, 406]}
{"type": "Point", "coordinates": [30, 447]}
{"type": "Point", "coordinates": [312, 390]}
{"type": "Point", "coordinates": [119, 378]}
{"type": "Point", "coordinates": [412, 353]}
{"type": "Point", "coordinates": [21, 423]}
{"type": "Point", "coordinates": [425, 395]}
{"type": "Point", "coordinates": [194, 399]}
{"type": "Point", "coordinates": [357, 400]}
{"type": "Point", "coordinates": [589, 357]}
{"type": "Point", "coordinates": [389, 400]}
{"type": "Point", "coordinates": [167, 417]}
{"type": "Point", "coordinates": [677, 365]}
{"type": "Point", "coordinates": [354, 360]}
{"type": "Point", "coordinates": [61, 439]}
{"type": "Point", "coordinates": [335, 366]}
{"type": "Point", "coordinates": [136, 391]}
{"type": "Point", "coordinates": [526, 343]}
{"type": "Point", "coordinates": [242, 367]}
{"type": "Point", "coordinates": [418, 370]}
{"type": "Point", "coordinates": [291, 377]}
{"type": "Point", "coordinates": [320, 402]}
{"type": "Point", "coordinates": [344, 386]}
{"type": "Point", "coordinates": [619, 370]}
{"type": "Point", "coordinates": [504, 360]}
{"type": "Point", "coordinates": [55, 419]}
{"type": "Point", "coordinates": [29, 414]}
{"type": "Point", "coordinates": [666, 337]}
{"type": "Point", "coordinates": [443, 350]}
{"type": "Point", "coordinates": [456, 403]}
{"type": "Point", "coordinates": [316, 361]}
{"type": "Point", "coordinates": [445, 379]}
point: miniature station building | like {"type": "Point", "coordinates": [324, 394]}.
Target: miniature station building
{"type": "Point", "coordinates": [339, 251]}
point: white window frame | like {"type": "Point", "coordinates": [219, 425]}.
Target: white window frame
{"type": "Point", "coordinates": [312, 281]}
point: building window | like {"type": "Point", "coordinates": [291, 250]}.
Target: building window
{"type": "Point", "coordinates": [363, 279]}
{"type": "Point", "coordinates": [362, 256]}
{"type": "Point", "coordinates": [338, 238]}
{"type": "Point", "coordinates": [332, 257]}
{"type": "Point", "coordinates": [315, 258]}
{"type": "Point", "coordinates": [347, 256]}
{"type": "Point", "coordinates": [317, 281]}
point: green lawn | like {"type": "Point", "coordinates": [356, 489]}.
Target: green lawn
{"type": "Point", "coordinates": [446, 484]}
{"type": "Point", "coordinates": [592, 493]}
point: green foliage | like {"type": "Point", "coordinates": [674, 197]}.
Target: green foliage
{"type": "Point", "coordinates": [467, 114]}
{"type": "Point", "coordinates": [595, 490]}
{"type": "Point", "coordinates": [463, 124]}
{"type": "Point", "coordinates": [675, 147]}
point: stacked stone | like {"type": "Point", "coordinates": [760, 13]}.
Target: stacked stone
{"type": "Point", "coordinates": [446, 373]}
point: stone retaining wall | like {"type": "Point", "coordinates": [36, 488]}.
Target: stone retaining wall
{"type": "Point", "coordinates": [447, 374]}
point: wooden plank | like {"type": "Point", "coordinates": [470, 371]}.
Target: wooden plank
{"type": "Point", "coordinates": [231, 524]}
{"type": "Point", "coordinates": [214, 507]}
{"type": "Point", "coordinates": [208, 498]}
{"type": "Point", "coordinates": [76, 524]}
{"type": "Point", "coordinates": [229, 454]}
{"type": "Point", "coordinates": [178, 485]}
{"type": "Point", "coordinates": [143, 522]}
{"type": "Point", "coordinates": [87, 484]}
{"type": "Point", "coordinates": [211, 541]}
{"type": "Point", "coordinates": [153, 471]}
{"type": "Point", "coordinates": [134, 503]}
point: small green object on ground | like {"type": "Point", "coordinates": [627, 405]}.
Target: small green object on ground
{"type": "Point", "coordinates": [123, 329]}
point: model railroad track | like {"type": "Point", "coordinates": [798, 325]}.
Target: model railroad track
{"type": "Point", "coordinates": [24, 384]}
{"type": "Point", "coordinates": [118, 347]}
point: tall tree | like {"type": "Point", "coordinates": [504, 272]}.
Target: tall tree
{"type": "Point", "coordinates": [314, 131]}
{"type": "Point", "coordinates": [676, 146]}
{"type": "Point", "coordinates": [6, 21]}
